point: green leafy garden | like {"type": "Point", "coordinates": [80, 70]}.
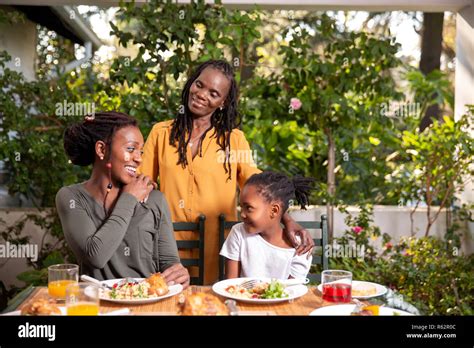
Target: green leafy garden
{"type": "Point", "coordinates": [343, 82]}
{"type": "Point", "coordinates": [430, 273]}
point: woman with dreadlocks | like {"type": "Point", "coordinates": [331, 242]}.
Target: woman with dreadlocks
{"type": "Point", "coordinates": [116, 224]}
{"type": "Point", "coordinates": [201, 156]}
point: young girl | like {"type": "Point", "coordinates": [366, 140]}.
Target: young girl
{"type": "Point", "coordinates": [258, 247]}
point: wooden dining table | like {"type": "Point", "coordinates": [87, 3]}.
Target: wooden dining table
{"type": "Point", "coordinates": [303, 305]}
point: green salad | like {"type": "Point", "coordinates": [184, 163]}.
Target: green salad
{"type": "Point", "coordinates": [275, 290]}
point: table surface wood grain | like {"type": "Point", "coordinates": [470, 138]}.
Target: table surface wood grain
{"type": "Point", "coordinates": [171, 306]}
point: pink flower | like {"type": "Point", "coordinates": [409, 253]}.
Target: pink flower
{"type": "Point", "coordinates": [388, 245]}
{"type": "Point", "coordinates": [357, 229]}
{"type": "Point", "coordinates": [295, 103]}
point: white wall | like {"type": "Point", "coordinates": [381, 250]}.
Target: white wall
{"type": "Point", "coordinates": [19, 40]}
{"type": "Point", "coordinates": [9, 268]}
{"type": "Point", "coordinates": [393, 220]}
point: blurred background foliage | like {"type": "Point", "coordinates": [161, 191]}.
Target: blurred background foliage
{"type": "Point", "coordinates": [346, 82]}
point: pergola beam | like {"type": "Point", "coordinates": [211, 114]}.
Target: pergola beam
{"type": "Point", "coordinates": [321, 5]}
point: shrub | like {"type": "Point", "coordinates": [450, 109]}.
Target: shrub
{"type": "Point", "coordinates": [430, 273]}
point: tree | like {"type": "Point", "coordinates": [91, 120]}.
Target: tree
{"type": "Point", "coordinates": [170, 48]}
{"type": "Point", "coordinates": [438, 165]}
{"type": "Point", "coordinates": [340, 84]}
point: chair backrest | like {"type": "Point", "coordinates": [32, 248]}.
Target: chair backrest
{"type": "Point", "coordinates": [192, 245]}
{"type": "Point", "coordinates": [318, 260]}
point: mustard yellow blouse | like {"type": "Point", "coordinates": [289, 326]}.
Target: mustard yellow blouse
{"type": "Point", "coordinates": [202, 187]}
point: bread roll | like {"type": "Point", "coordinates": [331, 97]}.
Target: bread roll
{"type": "Point", "coordinates": [202, 303]}
{"type": "Point", "coordinates": [41, 307]}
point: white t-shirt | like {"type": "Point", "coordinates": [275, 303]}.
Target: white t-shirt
{"type": "Point", "coordinates": [259, 258]}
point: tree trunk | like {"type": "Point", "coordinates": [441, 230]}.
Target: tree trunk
{"type": "Point", "coordinates": [431, 46]}
{"type": "Point", "coordinates": [331, 181]}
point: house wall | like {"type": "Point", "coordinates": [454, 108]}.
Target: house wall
{"type": "Point", "coordinates": [9, 268]}
{"type": "Point", "coordinates": [395, 221]}
{"type": "Point", "coordinates": [19, 40]}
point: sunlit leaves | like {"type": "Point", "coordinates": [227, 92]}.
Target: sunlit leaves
{"type": "Point", "coordinates": [438, 162]}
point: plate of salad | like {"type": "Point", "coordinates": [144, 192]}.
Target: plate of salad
{"type": "Point", "coordinates": [134, 293]}
{"type": "Point", "coordinates": [266, 290]}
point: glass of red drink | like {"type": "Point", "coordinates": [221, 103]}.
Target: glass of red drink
{"type": "Point", "coordinates": [337, 286]}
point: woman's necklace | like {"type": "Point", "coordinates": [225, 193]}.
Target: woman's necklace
{"type": "Point", "coordinates": [191, 141]}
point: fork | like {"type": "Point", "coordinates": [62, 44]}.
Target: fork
{"type": "Point", "coordinates": [127, 280]}
{"type": "Point", "coordinates": [231, 305]}
{"type": "Point", "coordinates": [249, 284]}
{"type": "Point", "coordinates": [358, 306]}
{"type": "Point", "coordinates": [233, 310]}
{"type": "Point", "coordinates": [91, 280]}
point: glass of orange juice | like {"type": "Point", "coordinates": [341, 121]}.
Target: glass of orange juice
{"type": "Point", "coordinates": [82, 299]}
{"type": "Point", "coordinates": [60, 276]}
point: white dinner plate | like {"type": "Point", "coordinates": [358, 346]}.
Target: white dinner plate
{"type": "Point", "coordinates": [293, 291]}
{"type": "Point", "coordinates": [123, 311]}
{"type": "Point", "coordinates": [174, 290]}
{"type": "Point", "coordinates": [380, 289]}
{"type": "Point", "coordinates": [346, 309]}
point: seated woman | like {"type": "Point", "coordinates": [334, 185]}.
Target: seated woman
{"type": "Point", "coordinates": [116, 224]}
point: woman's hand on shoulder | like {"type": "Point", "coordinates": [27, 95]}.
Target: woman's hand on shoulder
{"type": "Point", "coordinates": [304, 243]}
{"type": "Point", "coordinates": [140, 187]}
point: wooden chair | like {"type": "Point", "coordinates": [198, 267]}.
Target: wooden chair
{"type": "Point", "coordinates": [192, 245]}
{"type": "Point", "coordinates": [320, 261]}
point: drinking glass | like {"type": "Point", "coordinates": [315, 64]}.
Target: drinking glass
{"type": "Point", "coordinates": [337, 285]}
{"type": "Point", "coordinates": [59, 277]}
{"type": "Point", "coordinates": [82, 299]}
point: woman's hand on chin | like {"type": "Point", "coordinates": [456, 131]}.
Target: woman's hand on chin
{"type": "Point", "coordinates": [140, 187]}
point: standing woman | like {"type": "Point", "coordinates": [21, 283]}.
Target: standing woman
{"type": "Point", "coordinates": [116, 224]}
{"type": "Point", "coordinates": [201, 157]}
